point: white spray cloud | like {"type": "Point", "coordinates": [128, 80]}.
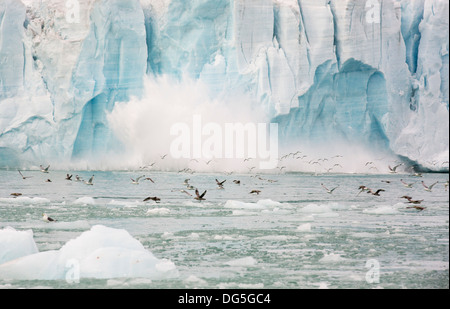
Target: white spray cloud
{"type": "Point", "coordinates": [144, 124]}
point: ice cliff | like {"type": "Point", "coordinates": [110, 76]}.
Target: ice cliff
{"type": "Point", "coordinates": [371, 72]}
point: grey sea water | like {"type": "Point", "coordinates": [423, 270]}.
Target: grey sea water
{"type": "Point", "coordinates": [293, 235]}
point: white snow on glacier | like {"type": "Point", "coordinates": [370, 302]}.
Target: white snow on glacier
{"type": "Point", "coordinates": [77, 76]}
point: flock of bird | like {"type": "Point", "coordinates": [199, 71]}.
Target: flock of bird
{"type": "Point", "coordinates": [329, 164]}
{"type": "Point", "coordinates": [220, 184]}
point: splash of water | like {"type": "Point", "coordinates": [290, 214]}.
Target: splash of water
{"type": "Point", "coordinates": [144, 124]}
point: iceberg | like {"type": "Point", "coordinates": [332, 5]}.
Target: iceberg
{"type": "Point", "coordinates": [15, 244]}
{"type": "Point", "coordinates": [101, 253]}
{"type": "Point", "coordinates": [370, 73]}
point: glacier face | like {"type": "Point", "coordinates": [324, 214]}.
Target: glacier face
{"type": "Point", "coordinates": [367, 72]}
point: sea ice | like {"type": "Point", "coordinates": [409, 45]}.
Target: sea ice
{"type": "Point", "coordinates": [101, 252]}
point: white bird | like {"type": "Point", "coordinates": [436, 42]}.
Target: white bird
{"type": "Point", "coordinates": [24, 177]}
{"type": "Point", "coordinates": [429, 188]}
{"type": "Point", "coordinates": [407, 185]}
{"type": "Point", "coordinates": [90, 182]}
{"type": "Point", "coordinates": [394, 169]}
{"type": "Point", "coordinates": [44, 170]}
{"type": "Point", "coordinates": [328, 190]}
{"type": "Point", "coordinates": [47, 218]}
{"type": "Point", "coordinates": [136, 181]}
{"type": "Point", "coordinates": [377, 193]}
{"type": "Point", "coordinates": [184, 191]}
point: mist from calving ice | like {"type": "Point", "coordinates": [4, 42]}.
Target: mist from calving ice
{"type": "Point", "coordinates": [144, 125]}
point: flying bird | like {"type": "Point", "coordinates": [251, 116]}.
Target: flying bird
{"type": "Point", "coordinates": [328, 190]}
{"type": "Point", "coordinates": [184, 191]}
{"type": "Point", "coordinates": [90, 182]}
{"type": "Point", "coordinates": [410, 200]}
{"type": "Point", "coordinates": [362, 189]}
{"type": "Point", "coordinates": [199, 197]}
{"type": "Point", "coordinates": [420, 208]}
{"type": "Point", "coordinates": [16, 194]}
{"type": "Point", "coordinates": [153, 198]}
{"type": "Point", "coordinates": [68, 177]}
{"type": "Point", "coordinates": [257, 192]}
{"type": "Point", "coordinates": [429, 188]}
{"type": "Point", "coordinates": [220, 183]}
{"type": "Point", "coordinates": [407, 185]}
{"type": "Point", "coordinates": [24, 177]}
{"type": "Point", "coordinates": [394, 169]}
{"type": "Point", "coordinates": [147, 166]}
{"type": "Point", "coordinates": [136, 181]}
{"type": "Point", "coordinates": [376, 193]}
{"type": "Point", "coordinates": [44, 170]}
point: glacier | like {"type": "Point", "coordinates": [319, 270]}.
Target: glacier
{"type": "Point", "coordinates": [372, 73]}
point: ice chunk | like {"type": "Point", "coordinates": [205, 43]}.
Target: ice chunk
{"type": "Point", "coordinates": [261, 204]}
{"type": "Point", "coordinates": [306, 227]}
{"type": "Point", "coordinates": [86, 200]}
{"type": "Point", "coordinates": [245, 261]}
{"type": "Point", "coordinates": [15, 244]}
{"type": "Point", "coordinates": [101, 252]}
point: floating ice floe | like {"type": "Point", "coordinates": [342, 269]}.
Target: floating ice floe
{"type": "Point", "coordinates": [332, 258]}
{"type": "Point", "coordinates": [245, 261]}
{"type": "Point", "coordinates": [306, 227]}
{"type": "Point", "coordinates": [15, 244]}
{"type": "Point", "coordinates": [86, 200]}
{"type": "Point", "coordinates": [261, 204]}
{"type": "Point", "coordinates": [125, 203]}
{"type": "Point", "coordinates": [101, 252]}
{"type": "Point", "coordinates": [25, 200]}
{"type": "Point", "coordinates": [382, 210]}
{"type": "Point", "coordinates": [158, 211]}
